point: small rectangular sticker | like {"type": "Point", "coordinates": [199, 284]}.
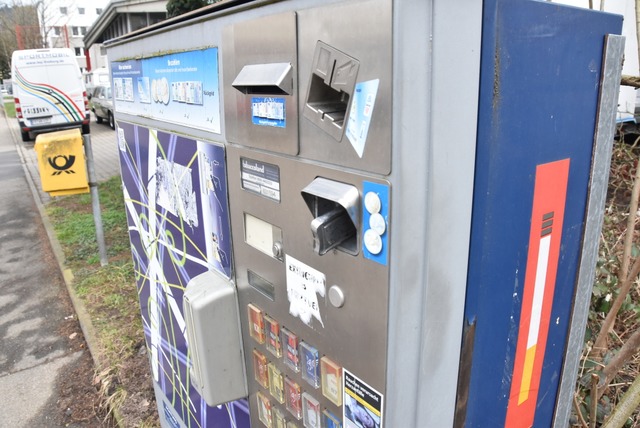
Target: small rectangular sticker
{"type": "Point", "coordinates": [268, 111]}
{"type": "Point", "coordinates": [362, 403]}
{"type": "Point", "coordinates": [260, 178]}
{"type": "Point", "coordinates": [364, 99]}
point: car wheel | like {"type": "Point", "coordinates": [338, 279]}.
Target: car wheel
{"type": "Point", "coordinates": [112, 122]}
{"type": "Point", "coordinates": [25, 136]}
{"type": "Point", "coordinates": [99, 119]}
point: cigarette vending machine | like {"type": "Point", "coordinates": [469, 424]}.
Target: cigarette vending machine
{"type": "Point", "coordinates": [365, 213]}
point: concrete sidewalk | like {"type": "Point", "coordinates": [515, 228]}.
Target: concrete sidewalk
{"type": "Point", "coordinates": [33, 353]}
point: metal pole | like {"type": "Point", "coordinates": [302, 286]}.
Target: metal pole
{"type": "Point", "coordinates": [95, 200]}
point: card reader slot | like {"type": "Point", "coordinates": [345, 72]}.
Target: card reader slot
{"type": "Point", "coordinates": [331, 87]}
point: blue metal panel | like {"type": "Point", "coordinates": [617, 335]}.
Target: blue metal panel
{"type": "Point", "coordinates": [540, 76]}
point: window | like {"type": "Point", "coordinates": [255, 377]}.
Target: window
{"type": "Point", "coordinates": [81, 11]}
{"type": "Point", "coordinates": [63, 10]}
{"type": "Point", "coordinates": [98, 11]}
{"type": "Point", "coordinates": [78, 51]}
{"type": "Point", "coordinates": [57, 31]}
{"type": "Point", "coordinates": [75, 31]}
{"type": "Point", "coordinates": [83, 30]}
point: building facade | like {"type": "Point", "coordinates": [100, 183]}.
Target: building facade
{"type": "Point", "coordinates": [64, 23]}
{"type": "Point", "coordinates": [119, 18]}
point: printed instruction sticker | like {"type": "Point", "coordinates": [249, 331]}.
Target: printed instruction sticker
{"type": "Point", "coordinates": [304, 283]}
{"type": "Point", "coordinates": [261, 178]}
{"type": "Point", "coordinates": [362, 404]}
{"type": "Point", "coordinates": [122, 141]}
{"type": "Point", "coordinates": [364, 99]}
{"type": "Point", "coordinates": [268, 111]}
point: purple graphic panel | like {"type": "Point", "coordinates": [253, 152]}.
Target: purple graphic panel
{"type": "Point", "coordinates": [175, 191]}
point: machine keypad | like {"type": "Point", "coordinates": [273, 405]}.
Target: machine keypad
{"type": "Point", "coordinates": [290, 357]}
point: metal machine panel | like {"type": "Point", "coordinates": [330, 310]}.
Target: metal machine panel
{"type": "Point", "coordinates": [356, 134]}
{"type": "Point", "coordinates": [261, 81]}
{"type": "Point", "coordinates": [335, 302]}
{"type": "Point", "coordinates": [532, 174]}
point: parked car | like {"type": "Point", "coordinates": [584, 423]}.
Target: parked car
{"type": "Point", "coordinates": [102, 105]}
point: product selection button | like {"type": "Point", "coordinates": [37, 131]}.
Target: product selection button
{"type": "Point", "coordinates": [276, 383]}
{"type": "Point", "coordinates": [311, 411]}
{"type": "Point", "coordinates": [272, 332]}
{"type": "Point", "coordinates": [310, 364]}
{"type": "Point", "coordinates": [264, 410]}
{"type": "Point", "coordinates": [291, 353]}
{"type": "Point", "coordinates": [293, 396]}
{"type": "Point", "coordinates": [331, 375]}
{"type": "Point", "coordinates": [256, 323]}
{"type": "Point", "coordinates": [260, 371]}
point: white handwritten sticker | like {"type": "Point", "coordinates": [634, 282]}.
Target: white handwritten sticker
{"type": "Point", "coordinates": [304, 283]}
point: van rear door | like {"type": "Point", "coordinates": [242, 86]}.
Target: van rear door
{"type": "Point", "coordinates": [51, 95]}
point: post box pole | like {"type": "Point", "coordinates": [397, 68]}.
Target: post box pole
{"type": "Point", "coordinates": [95, 199]}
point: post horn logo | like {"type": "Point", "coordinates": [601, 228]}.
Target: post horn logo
{"type": "Point", "coordinates": [56, 163]}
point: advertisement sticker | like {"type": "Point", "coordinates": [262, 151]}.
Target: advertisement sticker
{"type": "Point", "coordinates": [362, 404]}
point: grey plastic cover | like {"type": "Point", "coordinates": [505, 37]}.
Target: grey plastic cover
{"type": "Point", "coordinates": [210, 307]}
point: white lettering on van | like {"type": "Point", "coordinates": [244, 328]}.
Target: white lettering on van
{"type": "Point", "coordinates": [173, 62]}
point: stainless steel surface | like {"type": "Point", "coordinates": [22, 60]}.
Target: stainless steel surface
{"type": "Point", "coordinates": [330, 90]}
{"type": "Point", "coordinates": [435, 90]}
{"type": "Point", "coordinates": [259, 44]}
{"type": "Point", "coordinates": [345, 195]}
{"type": "Point", "coordinates": [605, 129]}
{"type": "Point", "coordinates": [361, 31]}
{"type": "Point", "coordinates": [265, 78]}
{"type": "Point", "coordinates": [354, 334]}
{"type": "Point", "coordinates": [402, 336]}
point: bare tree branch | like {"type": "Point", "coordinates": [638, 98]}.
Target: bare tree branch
{"type": "Point", "coordinates": [600, 344]}
{"type": "Point", "coordinates": [633, 81]}
{"type": "Point", "coordinates": [628, 351]}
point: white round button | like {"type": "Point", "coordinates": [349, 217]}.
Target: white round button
{"type": "Point", "coordinates": [372, 242]}
{"type": "Point", "coordinates": [377, 223]}
{"type": "Point", "coordinates": [372, 202]}
{"type": "Point", "coordinates": [336, 296]}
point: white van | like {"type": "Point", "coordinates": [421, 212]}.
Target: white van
{"type": "Point", "coordinates": [49, 92]}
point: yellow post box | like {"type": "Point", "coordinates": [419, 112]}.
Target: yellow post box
{"type": "Point", "coordinates": [61, 160]}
